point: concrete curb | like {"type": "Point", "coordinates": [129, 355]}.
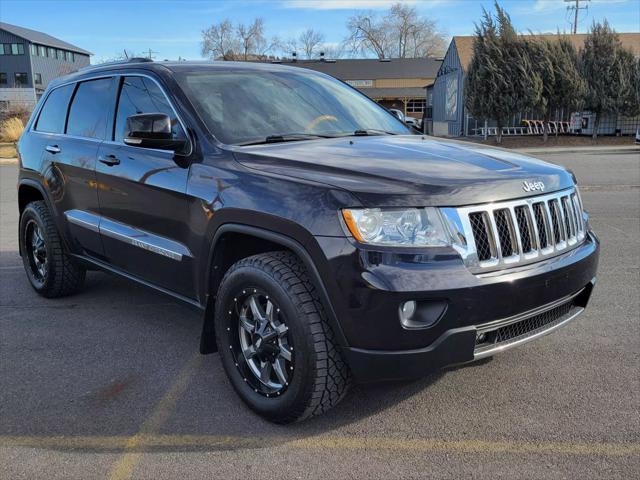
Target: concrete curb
{"type": "Point", "coordinates": [592, 149]}
{"type": "Point", "coordinates": [8, 161]}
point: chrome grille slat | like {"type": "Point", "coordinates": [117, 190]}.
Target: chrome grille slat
{"type": "Point", "coordinates": [524, 232]}
{"type": "Point", "coordinates": [518, 232]}
{"type": "Point", "coordinates": [541, 224]}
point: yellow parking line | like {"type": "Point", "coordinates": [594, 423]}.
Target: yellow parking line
{"type": "Point", "coordinates": [141, 442]}
{"type": "Point", "coordinates": [124, 468]}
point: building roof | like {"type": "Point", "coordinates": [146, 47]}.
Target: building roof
{"type": "Point", "coordinates": [464, 44]}
{"type": "Point", "coordinates": [378, 93]}
{"type": "Point", "coordinates": [34, 36]}
{"type": "Point", "coordinates": [372, 68]}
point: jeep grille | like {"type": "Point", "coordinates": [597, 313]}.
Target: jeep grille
{"type": "Point", "coordinates": [508, 234]}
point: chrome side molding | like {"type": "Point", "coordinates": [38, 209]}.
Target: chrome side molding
{"type": "Point", "coordinates": [130, 235]}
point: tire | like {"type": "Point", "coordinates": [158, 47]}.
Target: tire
{"type": "Point", "coordinates": [61, 275]}
{"type": "Point", "coordinates": [317, 377]}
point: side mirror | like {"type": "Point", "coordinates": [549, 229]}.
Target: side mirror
{"type": "Point", "coordinates": [152, 130]}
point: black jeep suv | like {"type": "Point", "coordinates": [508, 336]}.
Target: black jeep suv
{"type": "Point", "coordinates": [322, 241]}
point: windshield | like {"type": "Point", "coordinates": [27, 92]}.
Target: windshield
{"type": "Point", "coordinates": [247, 106]}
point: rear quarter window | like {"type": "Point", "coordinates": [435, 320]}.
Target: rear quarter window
{"type": "Point", "coordinates": [54, 111]}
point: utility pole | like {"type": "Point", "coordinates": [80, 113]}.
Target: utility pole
{"type": "Point", "coordinates": [576, 11]}
{"type": "Point", "coordinates": [149, 54]}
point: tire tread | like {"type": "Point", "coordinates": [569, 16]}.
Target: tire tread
{"type": "Point", "coordinates": [332, 376]}
{"type": "Point", "coordinates": [67, 277]}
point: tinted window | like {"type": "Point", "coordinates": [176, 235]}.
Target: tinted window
{"type": "Point", "coordinates": [88, 113]}
{"type": "Point", "coordinates": [249, 105]}
{"type": "Point", "coordinates": [54, 112]}
{"type": "Point", "coordinates": [142, 95]}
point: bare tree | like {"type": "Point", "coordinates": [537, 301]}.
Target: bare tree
{"type": "Point", "coordinates": [250, 36]}
{"type": "Point", "coordinates": [332, 50]}
{"type": "Point", "coordinates": [367, 34]}
{"type": "Point", "coordinates": [310, 42]}
{"type": "Point", "coordinates": [220, 42]}
{"type": "Point", "coordinates": [400, 33]}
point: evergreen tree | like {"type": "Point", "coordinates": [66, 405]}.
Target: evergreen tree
{"type": "Point", "coordinates": [570, 86]}
{"type": "Point", "coordinates": [627, 79]}
{"type": "Point", "coordinates": [557, 63]}
{"type": "Point", "coordinates": [600, 64]}
{"type": "Point", "coordinates": [543, 71]}
{"type": "Point", "coordinates": [499, 82]}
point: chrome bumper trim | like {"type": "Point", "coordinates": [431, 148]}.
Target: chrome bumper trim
{"type": "Point", "coordinates": [490, 351]}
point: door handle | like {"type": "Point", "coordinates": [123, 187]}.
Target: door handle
{"type": "Point", "coordinates": [109, 160]}
{"type": "Point", "coordinates": [52, 149]}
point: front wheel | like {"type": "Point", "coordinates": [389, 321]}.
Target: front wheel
{"type": "Point", "coordinates": [276, 344]}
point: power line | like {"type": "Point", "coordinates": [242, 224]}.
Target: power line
{"type": "Point", "coordinates": [576, 11]}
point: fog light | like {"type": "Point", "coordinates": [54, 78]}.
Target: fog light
{"type": "Point", "coordinates": [407, 309]}
{"type": "Point", "coordinates": [421, 313]}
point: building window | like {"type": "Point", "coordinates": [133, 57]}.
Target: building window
{"type": "Point", "coordinates": [70, 57]}
{"type": "Point", "coordinates": [20, 80]}
{"type": "Point", "coordinates": [60, 54]}
{"type": "Point", "coordinates": [42, 51]}
{"type": "Point", "coordinates": [52, 52]}
{"type": "Point", "coordinates": [37, 78]}
{"type": "Point", "coordinates": [451, 98]}
{"type": "Point", "coordinates": [34, 49]}
{"type": "Point", "coordinates": [17, 49]}
{"type": "Point", "coordinates": [416, 105]}
{"type": "Point", "coordinates": [3, 78]}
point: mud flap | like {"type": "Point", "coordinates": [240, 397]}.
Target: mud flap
{"type": "Point", "coordinates": [208, 335]}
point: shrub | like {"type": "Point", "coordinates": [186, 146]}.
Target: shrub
{"type": "Point", "coordinates": [11, 129]}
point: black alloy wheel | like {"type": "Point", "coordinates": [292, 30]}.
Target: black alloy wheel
{"type": "Point", "coordinates": [263, 351]}
{"type": "Point", "coordinates": [275, 341]}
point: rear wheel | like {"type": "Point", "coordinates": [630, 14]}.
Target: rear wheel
{"type": "Point", "coordinates": [276, 344]}
{"type": "Point", "coordinates": [50, 270]}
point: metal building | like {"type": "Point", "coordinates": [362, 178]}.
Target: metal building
{"type": "Point", "coordinates": [29, 60]}
{"type": "Point", "coordinates": [450, 117]}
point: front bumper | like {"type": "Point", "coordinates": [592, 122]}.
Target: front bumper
{"type": "Point", "coordinates": [455, 346]}
{"type": "Point", "coordinates": [372, 285]}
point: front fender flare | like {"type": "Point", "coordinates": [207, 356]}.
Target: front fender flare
{"type": "Point", "coordinates": [207, 339]}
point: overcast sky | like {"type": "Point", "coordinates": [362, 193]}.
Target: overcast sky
{"type": "Point", "coordinates": [172, 28]}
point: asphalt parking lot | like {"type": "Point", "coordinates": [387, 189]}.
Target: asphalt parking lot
{"type": "Point", "coordinates": [109, 384]}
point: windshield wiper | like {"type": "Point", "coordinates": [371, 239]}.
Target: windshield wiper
{"type": "Point", "coordinates": [365, 133]}
{"type": "Point", "coordinates": [373, 131]}
{"type": "Point", "coordinates": [285, 137]}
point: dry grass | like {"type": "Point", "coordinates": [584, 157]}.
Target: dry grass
{"type": "Point", "coordinates": [8, 150]}
{"type": "Point", "coordinates": [11, 129]}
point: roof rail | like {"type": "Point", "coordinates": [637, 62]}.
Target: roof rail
{"type": "Point", "coordinates": [117, 62]}
{"type": "Point", "coordinates": [139, 60]}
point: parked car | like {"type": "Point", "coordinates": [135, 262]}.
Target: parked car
{"type": "Point", "coordinates": [412, 122]}
{"type": "Point", "coordinates": [397, 113]}
{"type": "Point", "coordinates": [321, 241]}
{"type": "Point", "coordinates": [638, 136]}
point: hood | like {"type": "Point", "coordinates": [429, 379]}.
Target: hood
{"type": "Point", "coordinates": [409, 170]}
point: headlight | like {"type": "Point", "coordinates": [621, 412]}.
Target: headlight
{"type": "Point", "coordinates": [409, 227]}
